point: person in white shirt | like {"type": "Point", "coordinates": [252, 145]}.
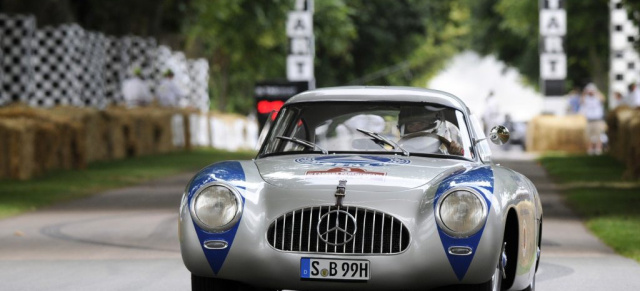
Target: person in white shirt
{"type": "Point", "coordinates": [593, 111]}
{"type": "Point", "coordinates": [169, 93]}
{"type": "Point", "coordinates": [136, 91]}
{"type": "Point", "coordinates": [634, 95]}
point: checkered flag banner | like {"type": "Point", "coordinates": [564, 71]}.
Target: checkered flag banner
{"type": "Point", "coordinates": [67, 65]}
{"type": "Point", "coordinates": [16, 72]}
{"type": "Point", "coordinates": [625, 61]}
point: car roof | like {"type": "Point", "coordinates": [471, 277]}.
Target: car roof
{"type": "Point", "coordinates": [379, 94]}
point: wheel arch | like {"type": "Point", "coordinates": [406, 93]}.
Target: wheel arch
{"type": "Point", "coordinates": [511, 237]}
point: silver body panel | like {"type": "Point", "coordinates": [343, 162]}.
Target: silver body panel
{"type": "Point", "coordinates": [276, 185]}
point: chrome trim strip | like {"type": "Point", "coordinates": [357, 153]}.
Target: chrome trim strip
{"type": "Point", "coordinates": [353, 246]}
{"type": "Point", "coordinates": [373, 235]}
{"type": "Point", "coordinates": [309, 230]}
{"type": "Point", "coordinates": [460, 251]}
{"type": "Point", "coordinates": [301, 221]}
{"type": "Point", "coordinates": [364, 226]}
{"type": "Point", "coordinates": [318, 235]}
{"type": "Point", "coordinates": [391, 237]}
{"type": "Point", "coordinates": [346, 227]}
{"type": "Point", "coordinates": [215, 244]}
{"type": "Point", "coordinates": [401, 227]}
{"type": "Point", "coordinates": [293, 221]}
{"type": "Point", "coordinates": [284, 224]}
{"type": "Point", "coordinates": [382, 234]}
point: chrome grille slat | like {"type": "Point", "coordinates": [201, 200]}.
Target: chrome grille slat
{"type": "Point", "coordinates": [293, 222]}
{"type": "Point", "coordinates": [391, 242]}
{"type": "Point", "coordinates": [309, 230]}
{"type": "Point", "coordinates": [373, 233]}
{"type": "Point", "coordinates": [284, 224]}
{"type": "Point", "coordinates": [371, 228]}
{"type": "Point", "coordinates": [382, 234]}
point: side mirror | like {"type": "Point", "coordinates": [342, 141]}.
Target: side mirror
{"type": "Point", "coordinates": [499, 135]}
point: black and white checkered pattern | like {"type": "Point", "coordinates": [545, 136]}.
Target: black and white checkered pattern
{"type": "Point", "coordinates": [67, 65]}
{"type": "Point", "coordinates": [92, 74]}
{"type": "Point", "coordinates": [56, 66]}
{"type": "Point", "coordinates": [625, 61]}
{"type": "Point", "coordinates": [199, 87]}
{"type": "Point", "coordinates": [15, 81]}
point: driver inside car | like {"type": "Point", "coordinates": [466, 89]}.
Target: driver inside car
{"type": "Point", "coordinates": [415, 121]}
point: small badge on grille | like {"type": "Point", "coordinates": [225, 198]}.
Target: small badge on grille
{"type": "Point", "coordinates": [337, 227]}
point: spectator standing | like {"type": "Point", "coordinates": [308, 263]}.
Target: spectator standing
{"type": "Point", "coordinates": [136, 91]}
{"type": "Point", "coordinates": [620, 99]}
{"type": "Point", "coordinates": [634, 95]}
{"type": "Point", "coordinates": [574, 101]}
{"type": "Point", "coordinates": [593, 110]}
{"type": "Point", "coordinates": [169, 93]}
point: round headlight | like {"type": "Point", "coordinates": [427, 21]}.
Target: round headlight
{"type": "Point", "coordinates": [216, 207]}
{"type": "Point", "coordinates": [461, 213]}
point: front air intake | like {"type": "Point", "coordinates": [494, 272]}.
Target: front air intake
{"type": "Point", "coordinates": [348, 230]}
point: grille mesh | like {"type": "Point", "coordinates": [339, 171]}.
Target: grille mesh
{"type": "Point", "coordinates": [376, 232]}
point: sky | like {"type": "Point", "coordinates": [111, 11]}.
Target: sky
{"type": "Point", "coordinates": [471, 77]}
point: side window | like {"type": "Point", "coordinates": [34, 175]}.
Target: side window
{"type": "Point", "coordinates": [483, 146]}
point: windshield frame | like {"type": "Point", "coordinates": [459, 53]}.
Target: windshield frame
{"type": "Point", "coordinates": [287, 107]}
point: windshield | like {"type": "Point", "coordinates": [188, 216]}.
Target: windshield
{"type": "Point", "coordinates": [347, 127]}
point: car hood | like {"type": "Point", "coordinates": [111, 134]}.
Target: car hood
{"type": "Point", "coordinates": [374, 173]}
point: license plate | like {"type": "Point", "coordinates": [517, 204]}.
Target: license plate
{"type": "Point", "coordinates": [334, 269]}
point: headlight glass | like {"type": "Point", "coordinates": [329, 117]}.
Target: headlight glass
{"type": "Point", "coordinates": [462, 212]}
{"type": "Point", "coordinates": [215, 206]}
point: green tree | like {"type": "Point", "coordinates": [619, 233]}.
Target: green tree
{"type": "Point", "coordinates": [509, 29]}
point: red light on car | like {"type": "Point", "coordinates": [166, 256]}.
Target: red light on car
{"type": "Point", "coordinates": [265, 106]}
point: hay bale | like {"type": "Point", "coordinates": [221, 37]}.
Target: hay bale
{"type": "Point", "coordinates": [633, 152]}
{"type": "Point", "coordinates": [119, 132]}
{"type": "Point", "coordinates": [17, 148]}
{"type": "Point", "coordinates": [95, 129]}
{"type": "Point", "coordinates": [617, 128]}
{"type": "Point", "coordinates": [64, 148]}
{"type": "Point", "coordinates": [557, 133]}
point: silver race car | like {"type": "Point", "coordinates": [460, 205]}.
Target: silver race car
{"type": "Point", "coordinates": [364, 188]}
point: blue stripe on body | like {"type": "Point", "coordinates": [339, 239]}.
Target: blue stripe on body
{"type": "Point", "coordinates": [232, 173]}
{"type": "Point", "coordinates": [482, 180]}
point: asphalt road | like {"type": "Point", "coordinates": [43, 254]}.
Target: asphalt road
{"type": "Point", "coordinates": [126, 239]}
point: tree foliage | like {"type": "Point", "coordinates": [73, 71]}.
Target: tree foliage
{"type": "Point", "coordinates": [370, 42]}
{"type": "Point", "coordinates": [509, 29]}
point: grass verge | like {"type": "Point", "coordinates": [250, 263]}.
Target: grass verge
{"type": "Point", "coordinates": [611, 208]}
{"type": "Point", "coordinates": [20, 196]}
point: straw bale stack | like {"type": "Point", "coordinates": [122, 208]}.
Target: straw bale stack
{"type": "Point", "coordinates": [17, 139]}
{"type": "Point", "coordinates": [153, 129]}
{"type": "Point", "coordinates": [632, 153]}
{"type": "Point", "coordinates": [617, 131]}
{"type": "Point", "coordinates": [95, 129]}
{"type": "Point", "coordinates": [58, 140]}
{"type": "Point", "coordinates": [120, 133]}
{"type": "Point", "coordinates": [557, 133]}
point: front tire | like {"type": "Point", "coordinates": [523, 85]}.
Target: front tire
{"type": "Point", "coordinates": [199, 283]}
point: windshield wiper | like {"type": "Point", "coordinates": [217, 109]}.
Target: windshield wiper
{"type": "Point", "coordinates": [304, 143]}
{"type": "Point", "coordinates": [383, 139]}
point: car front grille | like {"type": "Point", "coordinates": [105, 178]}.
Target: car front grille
{"type": "Point", "coordinates": [375, 232]}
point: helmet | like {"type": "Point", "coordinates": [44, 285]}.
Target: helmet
{"type": "Point", "coordinates": [420, 118]}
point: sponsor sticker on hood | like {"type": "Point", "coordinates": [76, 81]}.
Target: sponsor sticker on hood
{"type": "Point", "coordinates": [353, 161]}
{"type": "Point", "coordinates": [347, 172]}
